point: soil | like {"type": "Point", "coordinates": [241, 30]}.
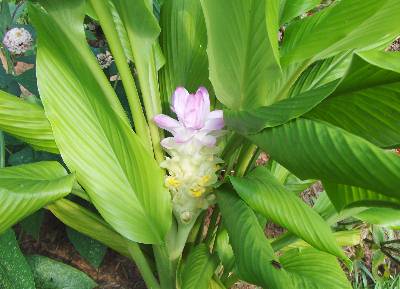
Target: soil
{"type": "Point", "coordinates": [116, 272]}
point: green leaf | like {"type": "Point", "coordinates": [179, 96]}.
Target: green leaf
{"type": "Point", "coordinates": [317, 150]}
{"type": "Point", "coordinates": [253, 121]}
{"type": "Point", "coordinates": [224, 251]}
{"type": "Point", "coordinates": [90, 249]}
{"type": "Point", "coordinates": [27, 188]}
{"type": "Point", "coordinates": [343, 238]}
{"type": "Point", "coordinates": [367, 102]}
{"type": "Point", "coordinates": [241, 58]}
{"type": "Point", "coordinates": [386, 217]}
{"type": "Point", "coordinates": [199, 268]}
{"type": "Point", "coordinates": [322, 72]}
{"type": "Point", "coordinates": [33, 223]}
{"type": "Point", "coordinates": [122, 34]}
{"type": "Point", "coordinates": [215, 285]}
{"type": "Point", "coordinates": [24, 156]}
{"type": "Point", "coordinates": [253, 253]}
{"type": "Point", "coordinates": [2, 150]}
{"type": "Point", "coordinates": [4, 77]}
{"type": "Point", "coordinates": [28, 80]}
{"type": "Point", "coordinates": [263, 193]}
{"type": "Point", "coordinates": [92, 131]}
{"type": "Point", "coordinates": [296, 186]}
{"type": "Point", "coordinates": [5, 17]}
{"type": "Point", "coordinates": [328, 212]}
{"type": "Point", "coordinates": [184, 42]}
{"type": "Point", "coordinates": [143, 31]}
{"type": "Point", "coordinates": [15, 272]}
{"type": "Point", "coordinates": [312, 269]}
{"type": "Point", "coordinates": [26, 121]}
{"type": "Point", "coordinates": [343, 196]}
{"type": "Point", "coordinates": [90, 224]}
{"type": "Point", "coordinates": [293, 8]}
{"type": "Point", "coordinates": [50, 274]}
{"type": "Point", "coordinates": [350, 24]}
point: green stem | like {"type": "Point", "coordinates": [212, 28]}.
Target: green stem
{"type": "Point", "coordinates": [245, 159]}
{"type": "Point", "coordinates": [165, 267]}
{"type": "Point", "coordinates": [148, 79]}
{"type": "Point", "coordinates": [232, 145]}
{"type": "Point", "coordinates": [2, 151]}
{"type": "Point", "coordinates": [177, 245]}
{"type": "Point", "coordinates": [143, 266]}
{"type": "Point", "coordinates": [108, 26]}
{"type": "Point", "coordinates": [283, 241]}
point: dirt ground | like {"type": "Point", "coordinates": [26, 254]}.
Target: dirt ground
{"type": "Point", "coordinates": [116, 272]}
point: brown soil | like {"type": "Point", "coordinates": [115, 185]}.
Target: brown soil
{"type": "Point", "coordinates": [116, 272]}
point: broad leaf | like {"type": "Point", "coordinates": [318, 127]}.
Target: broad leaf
{"type": "Point", "coordinates": [90, 249]}
{"type": "Point", "coordinates": [367, 102]}
{"type": "Point", "coordinates": [119, 173]}
{"type": "Point", "coordinates": [26, 121]}
{"type": "Point", "coordinates": [322, 72]}
{"type": "Point", "coordinates": [266, 195]}
{"type": "Point", "coordinates": [50, 274]}
{"type": "Point", "coordinates": [312, 269]}
{"type": "Point", "coordinates": [241, 58]}
{"type": "Point", "coordinates": [328, 212]}
{"type": "Point", "coordinates": [2, 150]}
{"type": "Point", "coordinates": [90, 224]}
{"type": "Point", "coordinates": [215, 285]}
{"type": "Point", "coordinates": [27, 188]}
{"type": "Point", "coordinates": [343, 196]}
{"type": "Point", "coordinates": [254, 255]}
{"type": "Point", "coordinates": [199, 268]}
{"type": "Point", "coordinates": [343, 238]}
{"type": "Point", "coordinates": [15, 272]}
{"type": "Point", "coordinates": [224, 250]}
{"type": "Point", "coordinates": [290, 9]}
{"type": "Point", "coordinates": [253, 121]}
{"type": "Point", "coordinates": [350, 24]}
{"type": "Point", "coordinates": [316, 150]}
{"type": "Point", "coordinates": [28, 80]}
{"type": "Point", "coordinates": [386, 217]}
{"type": "Point", "coordinates": [184, 42]}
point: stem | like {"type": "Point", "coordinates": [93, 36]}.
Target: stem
{"type": "Point", "coordinates": [181, 238]}
{"type": "Point", "coordinates": [107, 24]}
{"type": "Point", "coordinates": [165, 267]}
{"type": "Point", "coordinates": [148, 79]}
{"type": "Point", "coordinates": [245, 159]}
{"type": "Point", "coordinates": [283, 241]}
{"type": "Point", "coordinates": [231, 146]}
{"type": "Point", "coordinates": [143, 266]}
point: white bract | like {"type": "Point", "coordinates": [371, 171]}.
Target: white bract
{"type": "Point", "coordinates": [193, 160]}
{"type": "Point", "coordinates": [18, 40]}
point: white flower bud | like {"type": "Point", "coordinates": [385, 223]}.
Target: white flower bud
{"type": "Point", "coordinates": [18, 40]}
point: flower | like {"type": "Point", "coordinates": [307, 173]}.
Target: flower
{"type": "Point", "coordinates": [18, 40]}
{"type": "Point", "coordinates": [195, 120]}
{"type": "Point", "coordinates": [193, 161]}
{"type": "Point", "coordinates": [105, 59]}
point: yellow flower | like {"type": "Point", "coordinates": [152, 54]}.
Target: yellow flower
{"type": "Point", "coordinates": [197, 191]}
{"type": "Point", "coordinates": [172, 182]}
{"type": "Point", "coordinates": [204, 180]}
